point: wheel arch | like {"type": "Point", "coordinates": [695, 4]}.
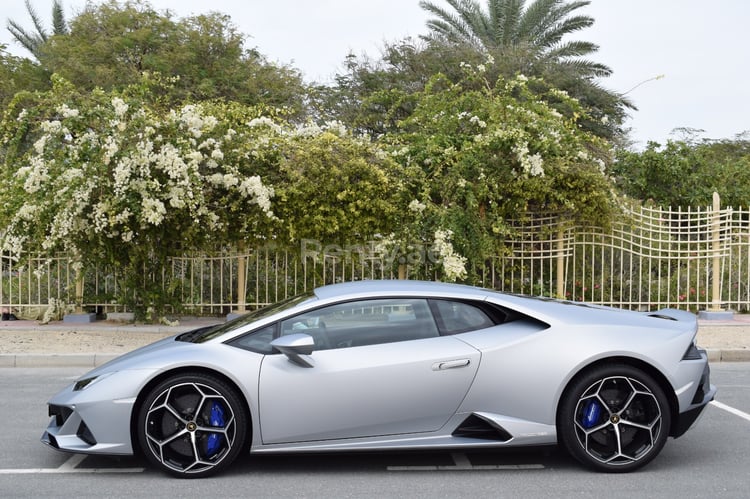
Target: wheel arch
{"type": "Point", "coordinates": [175, 372]}
{"type": "Point", "coordinates": [647, 368]}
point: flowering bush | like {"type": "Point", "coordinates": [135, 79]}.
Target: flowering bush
{"type": "Point", "coordinates": [112, 180]}
{"type": "Point", "coordinates": [474, 155]}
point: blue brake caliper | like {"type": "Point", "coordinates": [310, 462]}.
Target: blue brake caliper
{"type": "Point", "coordinates": [590, 415]}
{"type": "Point", "coordinates": [217, 419]}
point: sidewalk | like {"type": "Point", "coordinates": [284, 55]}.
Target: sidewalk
{"type": "Point", "coordinates": [30, 344]}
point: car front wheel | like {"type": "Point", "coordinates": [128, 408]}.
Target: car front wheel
{"type": "Point", "coordinates": [192, 425]}
{"type": "Point", "coordinates": [614, 418]}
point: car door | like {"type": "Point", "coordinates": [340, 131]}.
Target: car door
{"type": "Point", "coordinates": [380, 368]}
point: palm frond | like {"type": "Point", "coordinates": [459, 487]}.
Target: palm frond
{"type": "Point", "coordinates": [535, 19]}
{"type": "Point", "coordinates": [38, 26]}
{"type": "Point", "coordinates": [571, 49]}
{"type": "Point", "coordinates": [29, 41]}
{"type": "Point", "coordinates": [585, 68]}
{"type": "Point", "coordinates": [555, 33]}
{"type": "Point", "coordinates": [465, 26]}
{"type": "Point", "coordinates": [511, 16]}
{"type": "Point", "coordinates": [59, 24]}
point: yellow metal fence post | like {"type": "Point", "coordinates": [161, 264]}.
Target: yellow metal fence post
{"type": "Point", "coordinates": [241, 279]}
{"type": "Point", "coordinates": [716, 250]}
{"type": "Point", "coordinates": [561, 264]}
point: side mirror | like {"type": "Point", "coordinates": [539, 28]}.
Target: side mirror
{"type": "Point", "coordinates": [294, 346]}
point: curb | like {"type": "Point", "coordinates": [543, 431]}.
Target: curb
{"type": "Point", "coordinates": [55, 360]}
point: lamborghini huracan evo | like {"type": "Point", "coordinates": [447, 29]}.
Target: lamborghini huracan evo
{"type": "Point", "coordinates": [391, 365]}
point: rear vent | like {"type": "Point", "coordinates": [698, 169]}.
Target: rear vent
{"type": "Point", "coordinates": [477, 427]}
{"type": "Point", "coordinates": [662, 316]}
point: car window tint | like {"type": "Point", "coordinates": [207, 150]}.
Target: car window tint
{"type": "Point", "coordinates": [365, 322]}
{"type": "Point", "coordinates": [257, 341]}
{"type": "Point", "coordinates": [459, 317]}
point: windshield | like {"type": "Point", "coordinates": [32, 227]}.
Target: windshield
{"type": "Point", "coordinates": [209, 333]}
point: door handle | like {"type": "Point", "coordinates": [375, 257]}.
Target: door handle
{"type": "Point", "coordinates": [450, 364]}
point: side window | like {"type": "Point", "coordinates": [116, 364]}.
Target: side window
{"type": "Point", "coordinates": [459, 317]}
{"type": "Point", "coordinates": [258, 341]}
{"type": "Point", "coordinates": [365, 322]}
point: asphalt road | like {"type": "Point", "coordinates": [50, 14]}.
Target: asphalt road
{"type": "Point", "coordinates": [711, 460]}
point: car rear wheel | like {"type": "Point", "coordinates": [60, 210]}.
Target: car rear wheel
{"type": "Point", "coordinates": [192, 425]}
{"type": "Point", "coordinates": [614, 418]}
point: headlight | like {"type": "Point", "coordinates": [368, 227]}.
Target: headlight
{"type": "Point", "coordinates": [84, 383]}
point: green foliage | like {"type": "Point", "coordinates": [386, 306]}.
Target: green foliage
{"type": "Point", "coordinates": [475, 155]}
{"type": "Point", "coordinates": [115, 182]}
{"type": "Point", "coordinates": [203, 54]}
{"type": "Point", "coordinates": [17, 75]}
{"type": "Point", "coordinates": [335, 188]}
{"type": "Point", "coordinates": [686, 172]}
{"type": "Point", "coordinates": [373, 95]}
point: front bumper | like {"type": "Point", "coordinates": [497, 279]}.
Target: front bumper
{"type": "Point", "coordinates": [69, 431]}
{"type": "Point", "coordinates": [95, 419]}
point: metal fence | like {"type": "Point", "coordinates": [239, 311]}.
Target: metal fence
{"type": "Point", "coordinates": [649, 258]}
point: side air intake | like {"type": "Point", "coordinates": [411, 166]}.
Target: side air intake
{"type": "Point", "coordinates": [477, 427]}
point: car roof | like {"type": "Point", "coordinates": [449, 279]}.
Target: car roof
{"type": "Point", "coordinates": [399, 287]}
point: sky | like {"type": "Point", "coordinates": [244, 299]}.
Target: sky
{"type": "Point", "coordinates": [683, 63]}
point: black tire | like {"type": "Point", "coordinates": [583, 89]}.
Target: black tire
{"type": "Point", "coordinates": [614, 418]}
{"type": "Point", "coordinates": [192, 425]}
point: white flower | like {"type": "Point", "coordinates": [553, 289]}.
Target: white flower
{"type": "Point", "coordinates": [336, 127]}
{"type": "Point", "coordinates": [478, 122]}
{"type": "Point", "coordinates": [110, 149]}
{"type": "Point", "coordinates": [253, 187]}
{"type": "Point", "coordinates": [38, 174]}
{"type": "Point", "coordinates": [51, 127]}
{"type": "Point", "coordinates": [120, 107]}
{"type": "Point", "coordinates": [535, 165]}
{"type": "Point", "coordinates": [454, 265]}
{"type": "Point", "coordinates": [153, 211]}
{"type": "Point", "coordinates": [67, 112]}
{"type": "Point", "coordinates": [27, 212]}
{"type": "Point", "coordinates": [600, 164]}
{"type": "Point", "coordinates": [416, 206]}
{"type": "Point", "coordinates": [264, 121]}
{"type": "Point", "coordinates": [530, 165]}
{"type": "Point", "coordinates": [308, 130]}
{"type": "Point", "coordinates": [39, 144]}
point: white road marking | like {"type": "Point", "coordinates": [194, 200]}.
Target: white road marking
{"type": "Point", "coordinates": [512, 467]}
{"type": "Point", "coordinates": [731, 410]}
{"type": "Point", "coordinates": [69, 466]}
{"type": "Point", "coordinates": [464, 464]}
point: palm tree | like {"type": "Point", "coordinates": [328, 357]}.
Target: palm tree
{"type": "Point", "coordinates": [509, 27]}
{"type": "Point", "coordinates": [528, 38]}
{"type": "Point", "coordinates": [34, 40]}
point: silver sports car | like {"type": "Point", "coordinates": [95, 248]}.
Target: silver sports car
{"type": "Point", "coordinates": [384, 365]}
